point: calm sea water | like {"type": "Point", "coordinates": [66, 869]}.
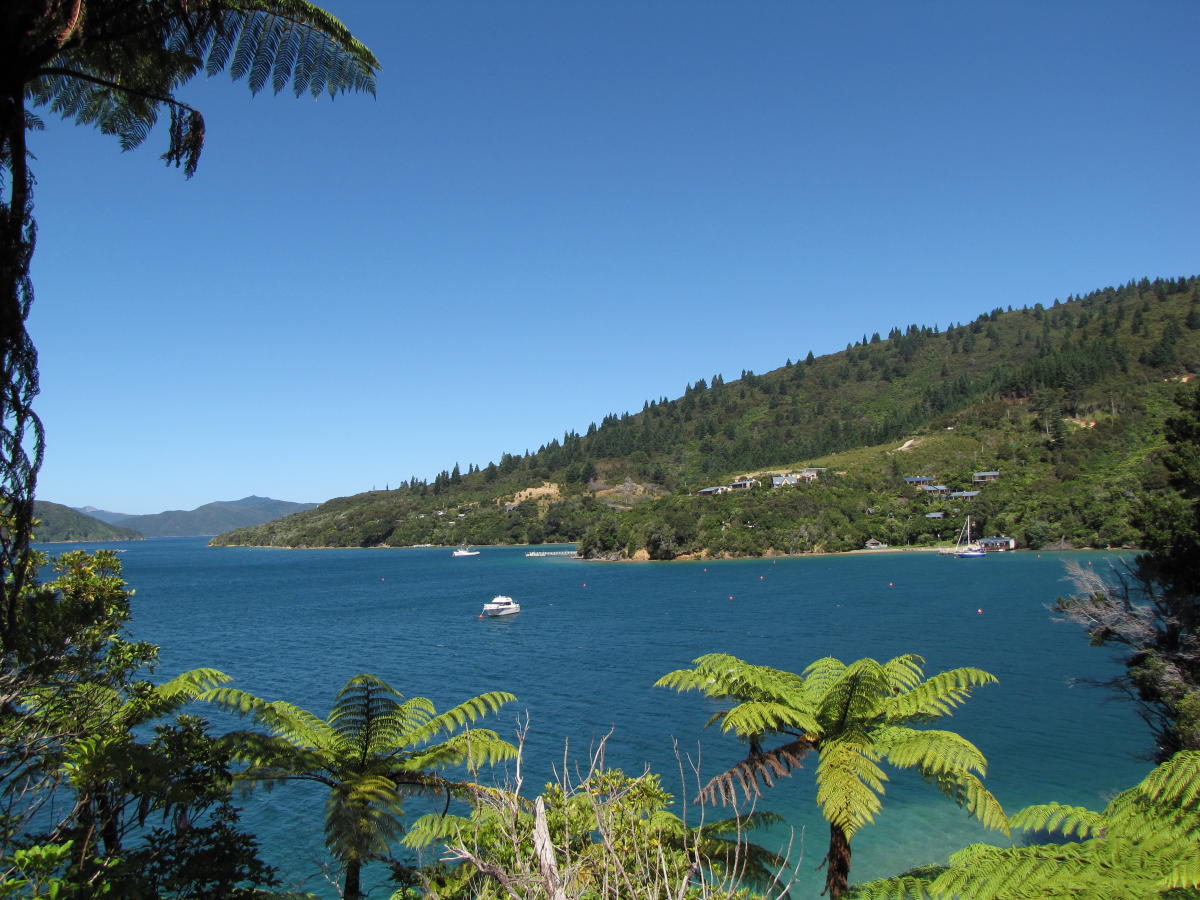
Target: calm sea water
{"type": "Point", "coordinates": [593, 637]}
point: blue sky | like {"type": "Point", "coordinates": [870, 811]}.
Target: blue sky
{"type": "Point", "coordinates": [556, 210]}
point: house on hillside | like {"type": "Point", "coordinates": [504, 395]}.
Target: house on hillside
{"type": "Point", "coordinates": [918, 479]}
{"type": "Point", "coordinates": [743, 484]}
{"type": "Point", "coordinates": [934, 488]}
{"type": "Point", "coordinates": [715, 489]}
{"type": "Point", "coordinates": [812, 473]}
{"type": "Point", "coordinates": [984, 477]}
{"type": "Point", "coordinates": [963, 495]}
{"type": "Point", "coordinates": [783, 480]}
{"type": "Point", "coordinates": [935, 515]}
{"type": "Point", "coordinates": [874, 544]}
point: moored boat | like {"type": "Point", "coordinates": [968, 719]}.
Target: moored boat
{"type": "Point", "coordinates": [965, 548]}
{"type": "Point", "coordinates": [501, 605]}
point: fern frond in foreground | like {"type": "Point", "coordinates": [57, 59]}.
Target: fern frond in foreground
{"type": "Point", "coordinates": [1146, 843]}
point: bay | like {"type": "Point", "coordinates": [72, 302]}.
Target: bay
{"type": "Point", "coordinates": [593, 637]}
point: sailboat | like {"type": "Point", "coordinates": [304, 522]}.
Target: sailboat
{"type": "Point", "coordinates": [964, 547]}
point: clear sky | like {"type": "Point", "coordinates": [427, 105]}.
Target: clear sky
{"type": "Point", "coordinates": [555, 210]}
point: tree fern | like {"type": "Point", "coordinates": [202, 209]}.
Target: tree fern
{"type": "Point", "coordinates": [857, 717]}
{"type": "Point", "coordinates": [373, 746]}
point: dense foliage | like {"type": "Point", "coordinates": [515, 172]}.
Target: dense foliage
{"type": "Point", "coordinates": [147, 809]}
{"type": "Point", "coordinates": [1066, 402]}
{"type": "Point", "coordinates": [605, 835]}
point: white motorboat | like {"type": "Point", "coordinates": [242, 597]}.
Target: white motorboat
{"type": "Point", "coordinates": [465, 551]}
{"type": "Point", "coordinates": [501, 606]}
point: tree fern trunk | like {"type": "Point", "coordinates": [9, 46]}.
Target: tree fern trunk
{"type": "Point", "coordinates": [353, 888]}
{"type": "Point", "coordinates": [20, 430]}
{"type": "Point", "coordinates": [837, 864]}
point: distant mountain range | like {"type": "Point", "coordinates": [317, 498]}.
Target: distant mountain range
{"type": "Point", "coordinates": [64, 523]}
{"type": "Point", "coordinates": [213, 518]}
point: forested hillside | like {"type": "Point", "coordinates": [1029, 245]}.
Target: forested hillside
{"type": "Point", "coordinates": [1065, 400]}
{"type": "Point", "coordinates": [61, 523]}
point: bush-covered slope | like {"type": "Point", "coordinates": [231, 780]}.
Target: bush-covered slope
{"type": "Point", "coordinates": [61, 523]}
{"type": "Point", "coordinates": [1064, 399]}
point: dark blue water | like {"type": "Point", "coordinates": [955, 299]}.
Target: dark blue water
{"type": "Point", "coordinates": [593, 637]}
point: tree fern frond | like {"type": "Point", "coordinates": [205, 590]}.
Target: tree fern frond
{"type": "Point", "coordinates": [1176, 782]}
{"type": "Point", "coordinates": [766, 766]}
{"type": "Point", "coordinates": [473, 748]}
{"type": "Point", "coordinates": [270, 758]}
{"type": "Point", "coordinates": [820, 674]}
{"type": "Point", "coordinates": [363, 816]}
{"type": "Point", "coordinates": [191, 685]}
{"type": "Point", "coordinates": [1186, 871]}
{"type": "Point", "coordinates": [902, 887]}
{"type": "Point", "coordinates": [461, 716]}
{"type": "Point", "coordinates": [1057, 817]}
{"type": "Point", "coordinates": [722, 675]}
{"type": "Point", "coordinates": [757, 717]}
{"type": "Point", "coordinates": [686, 680]}
{"type": "Point", "coordinates": [936, 696]}
{"type": "Point", "coordinates": [906, 671]}
{"type": "Point", "coordinates": [848, 786]}
{"type": "Point", "coordinates": [249, 34]}
{"type": "Point", "coordinates": [735, 825]}
{"type": "Point", "coordinates": [433, 828]}
{"type": "Point", "coordinates": [968, 792]}
{"type": "Point", "coordinates": [285, 57]}
{"type": "Point", "coordinates": [932, 752]}
{"type": "Point", "coordinates": [854, 697]}
{"type": "Point", "coordinates": [266, 54]}
{"type": "Point", "coordinates": [219, 44]}
{"type": "Point", "coordinates": [283, 719]}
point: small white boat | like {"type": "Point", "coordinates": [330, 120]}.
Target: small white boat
{"type": "Point", "coordinates": [465, 551]}
{"type": "Point", "coordinates": [501, 606]}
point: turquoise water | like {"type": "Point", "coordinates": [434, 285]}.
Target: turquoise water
{"type": "Point", "coordinates": [593, 637]}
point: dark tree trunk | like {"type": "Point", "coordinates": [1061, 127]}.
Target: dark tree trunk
{"type": "Point", "coordinates": [353, 888]}
{"type": "Point", "coordinates": [20, 431]}
{"type": "Point", "coordinates": [837, 864]}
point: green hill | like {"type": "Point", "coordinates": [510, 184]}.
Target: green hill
{"type": "Point", "coordinates": [1065, 400]}
{"type": "Point", "coordinates": [61, 523]}
{"type": "Point", "coordinates": [213, 518]}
